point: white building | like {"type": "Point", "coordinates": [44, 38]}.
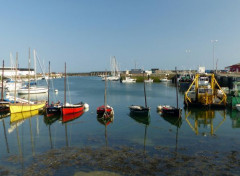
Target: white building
{"type": "Point", "coordinates": [10, 72]}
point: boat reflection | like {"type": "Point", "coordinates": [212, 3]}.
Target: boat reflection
{"type": "Point", "coordinates": [235, 117]}
{"type": "Point", "coordinates": [143, 119]}
{"type": "Point", "coordinates": [2, 118]}
{"type": "Point", "coordinates": [204, 119]}
{"type": "Point", "coordinates": [68, 118]}
{"type": "Point", "coordinates": [176, 122]}
{"type": "Point", "coordinates": [105, 120]}
{"type": "Point", "coordinates": [49, 121]}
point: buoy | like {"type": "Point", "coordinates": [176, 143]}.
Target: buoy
{"type": "Point", "coordinates": [56, 91]}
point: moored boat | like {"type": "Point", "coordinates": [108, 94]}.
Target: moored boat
{"type": "Point", "coordinates": [68, 108]}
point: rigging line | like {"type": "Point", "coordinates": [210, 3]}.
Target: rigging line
{"type": "Point", "coordinates": [41, 68]}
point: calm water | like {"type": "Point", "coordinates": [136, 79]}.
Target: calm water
{"type": "Point", "coordinates": [202, 142]}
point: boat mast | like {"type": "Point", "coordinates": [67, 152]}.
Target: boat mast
{"type": "Point", "coordinates": [35, 65]}
{"type": "Point", "coordinates": [105, 92]}
{"type": "Point", "coordinates": [144, 90]}
{"type": "Point", "coordinates": [15, 88]}
{"type": "Point", "coordinates": [2, 81]}
{"type": "Point", "coordinates": [29, 64]}
{"type": "Point", "coordinates": [48, 80]}
{"type": "Point", "coordinates": [176, 86]}
{"type": "Point", "coordinates": [65, 85]}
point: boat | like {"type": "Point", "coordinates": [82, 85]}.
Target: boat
{"type": "Point", "coordinates": [105, 110]}
{"type": "Point", "coordinates": [148, 81]}
{"type": "Point", "coordinates": [165, 79]}
{"type": "Point", "coordinates": [185, 81]}
{"type": "Point", "coordinates": [53, 108]}
{"type": "Point", "coordinates": [33, 89]}
{"type": "Point", "coordinates": [171, 111]}
{"type": "Point", "coordinates": [28, 105]}
{"type": "Point", "coordinates": [203, 94]}
{"type": "Point", "coordinates": [115, 76]}
{"type": "Point", "coordinates": [168, 110]}
{"type": "Point", "coordinates": [129, 80]}
{"type": "Point", "coordinates": [140, 110]}
{"type": "Point", "coordinates": [68, 108]}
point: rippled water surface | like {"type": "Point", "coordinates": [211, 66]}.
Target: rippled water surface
{"type": "Point", "coordinates": [201, 142]}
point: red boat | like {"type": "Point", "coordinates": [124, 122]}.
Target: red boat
{"type": "Point", "coordinates": [72, 108]}
{"type": "Point", "coordinates": [101, 110]}
{"type": "Point", "coordinates": [70, 117]}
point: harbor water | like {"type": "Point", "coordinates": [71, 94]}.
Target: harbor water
{"type": "Point", "coordinates": [202, 142]}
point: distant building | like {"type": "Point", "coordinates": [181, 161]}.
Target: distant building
{"type": "Point", "coordinates": [9, 71]}
{"type": "Point", "coordinates": [233, 68]}
{"type": "Point", "coordinates": [136, 71]}
{"type": "Point", "coordinates": [154, 70]}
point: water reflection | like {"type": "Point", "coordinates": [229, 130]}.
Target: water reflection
{"type": "Point", "coordinates": [69, 118]}
{"type": "Point", "coordinates": [49, 121]}
{"type": "Point", "coordinates": [203, 119]}
{"type": "Point", "coordinates": [143, 119]}
{"type": "Point", "coordinates": [235, 117]}
{"type": "Point", "coordinates": [105, 120]}
{"type": "Point", "coordinates": [2, 118]}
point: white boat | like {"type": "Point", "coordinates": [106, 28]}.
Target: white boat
{"type": "Point", "coordinates": [148, 81]}
{"type": "Point", "coordinates": [238, 107]}
{"type": "Point", "coordinates": [28, 89]}
{"type": "Point", "coordinates": [129, 80]}
{"type": "Point", "coordinates": [32, 90]}
{"type": "Point", "coordinates": [165, 80]}
{"type": "Point", "coordinates": [115, 75]}
{"type": "Point", "coordinates": [10, 85]}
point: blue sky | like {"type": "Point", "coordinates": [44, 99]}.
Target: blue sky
{"type": "Point", "coordinates": [150, 33]}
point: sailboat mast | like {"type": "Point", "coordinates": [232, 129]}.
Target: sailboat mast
{"type": "Point", "coordinates": [15, 88]}
{"type": "Point", "coordinates": [35, 65]}
{"type": "Point", "coordinates": [176, 86]}
{"type": "Point", "coordinates": [65, 85]}
{"type": "Point", "coordinates": [48, 79]}
{"type": "Point", "coordinates": [144, 90]}
{"type": "Point", "coordinates": [29, 65]}
{"type": "Point", "coordinates": [105, 92]}
{"type": "Point", "coordinates": [2, 81]}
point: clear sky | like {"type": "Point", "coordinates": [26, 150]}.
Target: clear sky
{"type": "Point", "coordinates": [150, 33]}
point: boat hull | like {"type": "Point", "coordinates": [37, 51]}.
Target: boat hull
{"type": "Point", "coordinates": [23, 107]}
{"type": "Point", "coordinates": [32, 90]}
{"type": "Point", "coordinates": [175, 112]}
{"type": "Point", "coordinates": [139, 110]}
{"type": "Point", "coordinates": [70, 109]}
{"type": "Point", "coordinates": [101, 110]}
{"type": "Point", "coordinates": [53, 110]}
{"type": "Point", "coordinates": [70, 117]}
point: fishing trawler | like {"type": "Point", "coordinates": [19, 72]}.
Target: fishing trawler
{"type": "Point", "coordinates": [205, 92]}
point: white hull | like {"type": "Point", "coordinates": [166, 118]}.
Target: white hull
{"type": "Point", "coordinates": [129, 80]}
{"type": "Point", "coordinates": [32, 90]}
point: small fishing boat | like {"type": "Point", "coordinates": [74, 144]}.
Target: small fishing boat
{"type": "Point", "coordinates": [140, 110]}
{"type": "Point", "coordinates": [167, 110]}
{"type": "Point", "coordinates": [105, 110]}
{"type": "Point", "coordinates": [53, 108]}
{"type": "Point", "coordinates": [68, 108]}
{"type": "Point", "coordinates": [165, 80]}
{"type": "Point", "coordinates": [171, 111]}
{"type": "Point", "coordinates": [129, 80]}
